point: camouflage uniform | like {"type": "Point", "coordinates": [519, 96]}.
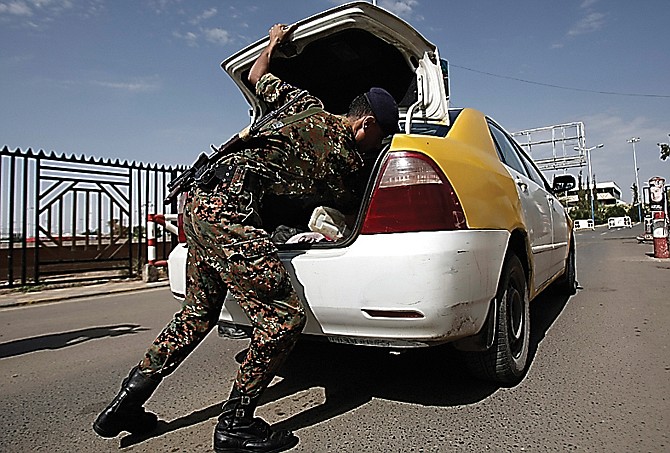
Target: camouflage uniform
{"type": "Point", "coordinates": [229, 250]}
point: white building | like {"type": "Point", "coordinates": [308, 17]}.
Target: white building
{"type": "Point", "coordinates": [607, 193]}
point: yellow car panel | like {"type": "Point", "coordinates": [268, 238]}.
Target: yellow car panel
{"type": "Point", "coordinates": [468, 158]}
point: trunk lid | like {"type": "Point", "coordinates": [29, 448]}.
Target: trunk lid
{"type": "Point", "coordinates": [342, 52]}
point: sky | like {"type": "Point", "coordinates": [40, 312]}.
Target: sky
{"type": "Point", "coordinates": [140, 80]}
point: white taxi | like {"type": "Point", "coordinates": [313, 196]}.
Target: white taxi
{"type": "Point", "coordinates": [457, 230]}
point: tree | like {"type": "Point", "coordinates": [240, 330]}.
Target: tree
{"type": "Point", "coordinates": [665, 151]}
{"type": "Point", "coordinates": [636, 194]}
{"type": "Point", "coordinates": [594, 192]}
{"type": "Point", "coordinates": [117, 228]}
{"type": "Point", "coordinates": [138, 231]}
{"type": "Point", "coordinates": [634, 212]}
{"type": "Point", "coordinates": [583, 208]}
{"type": "Point", "coordinates": [616, 211]}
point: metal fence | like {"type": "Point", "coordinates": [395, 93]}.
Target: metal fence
{"type": "Point", "coordinates": [67, 218]}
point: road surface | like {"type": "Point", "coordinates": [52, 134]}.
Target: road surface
{"type": "Point", "coordinates": [599, 379]}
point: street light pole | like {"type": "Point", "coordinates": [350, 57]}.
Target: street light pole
{"type": "Point", "coordinates": [633, 141]}
{"type": "Point", "coordinates": [591, 183]}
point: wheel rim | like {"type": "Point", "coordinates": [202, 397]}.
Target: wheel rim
{"type": "Point", "coordinates": [515, 319]}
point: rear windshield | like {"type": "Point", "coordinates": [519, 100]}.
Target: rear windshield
{"type": "Point", "coordinates": [432, 129]}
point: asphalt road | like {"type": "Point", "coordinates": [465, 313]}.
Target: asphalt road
{"type": "Point", "coordinates": [599, 380]}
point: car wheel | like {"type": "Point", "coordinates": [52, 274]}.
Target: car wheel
{"type": "Point", "coordinates": [567, 284]}
{"type": "Point", "coordinates": [506, 360]}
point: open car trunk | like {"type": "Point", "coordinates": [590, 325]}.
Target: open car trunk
{"type": "Point", "coordinates": [341, 66]}
{"type": "Point", "coordinates": [337, 55]}
{"type": "Point", "coordinates": [286, 217]}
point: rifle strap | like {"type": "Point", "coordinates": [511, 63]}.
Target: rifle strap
{"type": "Point", "coordinates": [289, 119]}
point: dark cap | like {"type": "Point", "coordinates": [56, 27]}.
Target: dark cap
{"type": "Point", "coordinates": [385, 109]}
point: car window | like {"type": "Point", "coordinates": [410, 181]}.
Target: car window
{"type": "Point", "coordinates": [533, 172]}
{"type": "Point", "coordinates": [506, 150]}
{"type": "Point", "coordinates": [434, 129]}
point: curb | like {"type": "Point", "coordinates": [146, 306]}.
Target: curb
{"type": "Point", "coordinates": [18, 299]}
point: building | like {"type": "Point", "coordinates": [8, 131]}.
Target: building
{"type": "Point", "coordinates": [607, 193]}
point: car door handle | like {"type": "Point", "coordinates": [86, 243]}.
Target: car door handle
{"type": "Point", "coordinates": [522, 185]}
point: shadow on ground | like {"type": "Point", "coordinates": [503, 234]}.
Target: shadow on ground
{"type": "Point", "coordinates": [351, 376]}
{"type": "Point", "coordinates": [65, 339]}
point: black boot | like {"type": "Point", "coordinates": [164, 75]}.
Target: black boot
{"type": "Point", "coordinates": [239, 432]}
{"type": "Point", "coordinates": [125, 412]}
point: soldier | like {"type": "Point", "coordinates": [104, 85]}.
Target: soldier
{"type": "Point", "coordinates": [229, 251]}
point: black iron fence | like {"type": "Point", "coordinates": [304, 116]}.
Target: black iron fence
{"type": "Point", "coordinates": [67, 218]}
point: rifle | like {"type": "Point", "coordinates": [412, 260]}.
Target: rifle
{"type": "Point", "coordinates": [203, 169]}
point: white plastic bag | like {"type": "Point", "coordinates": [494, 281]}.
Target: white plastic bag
{"type": "Point", "coordinates": [329, 222]}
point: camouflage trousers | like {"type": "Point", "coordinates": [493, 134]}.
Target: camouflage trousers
{"type": "Point", "coordinates": [226, 253]}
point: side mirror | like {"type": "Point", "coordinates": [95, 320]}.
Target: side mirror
{"type": "Point", "coordinates": [563, 183]}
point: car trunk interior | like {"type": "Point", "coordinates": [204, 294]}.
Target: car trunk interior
{"type": "Point", "coordinates": [284, 216]}
{"type": "Point", "coordinates": [336, 69]}
{"type": "Point", "coordinates": [341, 66]}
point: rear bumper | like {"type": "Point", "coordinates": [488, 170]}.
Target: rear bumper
{"type": "Point", "coordinates": [408, 289]}
{"type": "Point", "coordinates": [177, 270]}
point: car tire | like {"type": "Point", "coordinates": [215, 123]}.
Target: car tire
{"type": "Point", "coordinates": [505, 362]}
{"type": "Point", "coordinates": [567, 283]}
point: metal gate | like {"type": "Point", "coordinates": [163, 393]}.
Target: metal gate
{"type": "Point", "coordinates": [76, 218]}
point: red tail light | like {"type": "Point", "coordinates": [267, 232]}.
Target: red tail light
{"type": "Point", "coordinates": [412, 194]}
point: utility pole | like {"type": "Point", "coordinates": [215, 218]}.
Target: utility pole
{"type": "Point", "coordinates": [633, 141]}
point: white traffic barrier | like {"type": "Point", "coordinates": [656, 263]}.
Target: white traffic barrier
{"type": "Point", "coordinates": [619, 222]}
{"type": "Point", "coordinates": [584, 224]}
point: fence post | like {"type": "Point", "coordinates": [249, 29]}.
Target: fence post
{"type": "Point", "coordinates": [45, 189]}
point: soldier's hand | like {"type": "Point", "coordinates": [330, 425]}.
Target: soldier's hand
{"type": "Point", "coordinates": [280, 33]}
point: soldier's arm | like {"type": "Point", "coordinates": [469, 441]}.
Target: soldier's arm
{"type": "Point", "coordinates": [278, 33]}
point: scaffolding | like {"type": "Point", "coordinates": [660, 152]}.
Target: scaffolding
{"type": "Point", "coordinates": [555, 147]}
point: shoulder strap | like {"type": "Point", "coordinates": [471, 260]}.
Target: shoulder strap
{"type": "Point", "coordinates": [285, 121]}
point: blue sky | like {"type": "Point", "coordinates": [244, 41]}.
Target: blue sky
{"type": "Point", "coordinates": [140, 80]}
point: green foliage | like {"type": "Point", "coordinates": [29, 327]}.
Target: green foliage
{"type": "Point", "coordinates": [583, 208]}
{"type": "Point", "coordinates": [30, 289]}
{"type": "Point", "coordinates": [615, 211]}
{"type": "Point", "coordinates": [138, 231]}
{"type": "Point", "coordinates": [633, 213]}
{"type": "Point", "coordinates": [580, 213]}
{"type": "Point", "coordinates": [117, 228]}
{"type": "Point", "coordinates": [635, 193]}
{"type": "Point", "coordinates": [665, 151]}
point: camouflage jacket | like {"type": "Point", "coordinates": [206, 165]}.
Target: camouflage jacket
{"type": "Point", "coordinates": [308, 157]}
